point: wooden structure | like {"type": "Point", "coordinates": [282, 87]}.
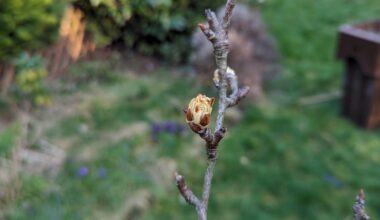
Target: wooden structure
{"type": "Point", "coordinates": [359, 48]}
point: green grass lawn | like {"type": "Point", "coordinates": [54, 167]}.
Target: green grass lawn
{"type": "Point", "coordinates": [283, 160]}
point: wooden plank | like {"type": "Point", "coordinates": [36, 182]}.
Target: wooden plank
{"type": "Point", "coordinates": [347, 88]}
{"type": "Point", "coordinates": [374, 114]}
{"type": "Point", "coordinates": [355, 93]}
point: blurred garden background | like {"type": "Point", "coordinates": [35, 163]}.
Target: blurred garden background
{"type": "Point", "coordinates": [91, 121]}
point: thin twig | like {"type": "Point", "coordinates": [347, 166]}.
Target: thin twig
{"type": "Point", "coordinates": [236, 93]}
{"type": "Point", "coordinates": [227, 15]}
{"type": "Point", "coordinates": [186, 193]}
{"type": "Point", "coordinates": [212, 20]}
{"type": "Point", "coordinates": [207, 182]}
{"type": "Point", "coordinates": [217, 33]}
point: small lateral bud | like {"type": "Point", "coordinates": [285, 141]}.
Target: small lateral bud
{"type": "Point", "coordinates": [216, 78]}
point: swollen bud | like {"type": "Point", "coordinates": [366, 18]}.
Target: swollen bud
{"type": "Point", "coordinates": [198, 113]}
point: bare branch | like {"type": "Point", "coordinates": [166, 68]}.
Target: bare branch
{"type": "Point", "coordinates": [206, 30]}
{"type": "Point", "coordinates": [207, 135]}
{"type": "Point", "coordinates": [186, 193]}
{"type": "Point", "coordinates": [222, 108]}
{"type": "Point", "coordinates": [212, 20]}
{"type": "Point", "coordinates": [232, 81]}
{"type": "Point", "coordinates": [234, 100]}
{"type": "Point", "coordinates": [358, 208]}
{"type": "Point", "coordinates": [219, 134]}
{"type": "Point", "coordinates": [236, 93]}
{"type": "Point", "coordinates": [228, 14]}
{"type": "Point", "coordinates": [212, 147]}
{"type": "Point", "coordinates": [217, 33]}
{"type": "Point", "coordinates": [212, 141]}
{"type": "Point", "coordinates": [207, 183]}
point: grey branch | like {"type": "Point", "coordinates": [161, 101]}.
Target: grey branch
{"type": "Point", "coordinates": [227, 15]}
{"type": "Point", "coordinates": [237, 93]}
{"type": "Point", "coordinates": [207, 135]}
{"type": "Point", "coordinates": [234, 100]}
{"type": "Point", "coordinates": [186, 193]}
{"type": "Point", "coordinates": [212, 20]}
{"type": "Point", "coordinates": [207, 183]}
{"type": "Point", "coordinates": [209, 34]}
{"type": "Point", "coordinates": [217, 33]}
{"type": "Point", "coordinates": [212, 141]}
{"type": "Point", "coordinates": [358, 208]}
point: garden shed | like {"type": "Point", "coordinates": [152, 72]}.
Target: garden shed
{"type": "Point", "coordinates": [359, 48]}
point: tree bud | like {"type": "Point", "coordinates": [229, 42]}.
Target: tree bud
{"type": "Point", "coordinates": [198, 113]}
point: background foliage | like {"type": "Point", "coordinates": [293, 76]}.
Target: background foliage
{"type": "Point", "coordinates": [26, 25]}
{"type": "Point", "coordinates": [30, 82]}
{"type": "Point", "coordinates": [283, 160]}
{"type": "Point", "coordinates": [152, 27]}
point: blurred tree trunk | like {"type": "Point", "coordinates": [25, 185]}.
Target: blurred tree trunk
{"type": "Point", "coordinates": [6, 76]}
{"type": "Point", "coordinates": [71, 45]}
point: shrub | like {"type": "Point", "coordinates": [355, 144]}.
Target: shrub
{"type": "Point", "coordinates": [152, 27]}
{"type": "Point", "coordinates": [26, 25]}
{"type": "Point", "coordinates": [30, 75]}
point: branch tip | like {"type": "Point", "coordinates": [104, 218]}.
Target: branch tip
{"type": "Point", "coordinates": [186, 193]}
{"type": "Point", "coordinates": [235, 98]}
{"type": "Point", "coordinates": [212, 20]}
{"type": "Point", "coordinates": [244, 91]}
{"type": "Point", "coordinates": [177, 177]}
{"type": "Point", "coordinates": [207, 32]}
{"type": "Point", "coordinates": [228, 14]}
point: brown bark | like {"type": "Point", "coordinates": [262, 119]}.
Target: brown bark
{"type": "Point", "coordinates": [7, 72]}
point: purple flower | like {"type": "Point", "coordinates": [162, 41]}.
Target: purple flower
{"type": "Point", "coordinates": [181, 128]}
{"type": "Point", "coordinates": [155, 129]}
{"type": "Point", "coordinates": [83, 171]}
{"type": "Point", "coordinates": [171, 127]}
{"type": "Point", "coordinates": [102, 172]}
